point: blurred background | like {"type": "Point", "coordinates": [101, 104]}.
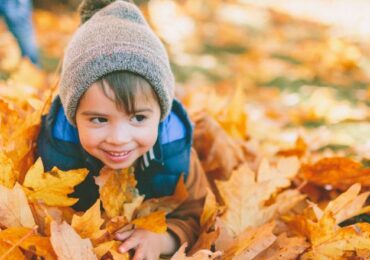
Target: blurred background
{"type": "Point", "coordinates": [284, 69]}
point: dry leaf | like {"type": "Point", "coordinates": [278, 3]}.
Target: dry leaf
{"type": "Point", "coordinates": [14, 208]}
{"type": "Point", "coordinates": [199, 255]}
{"type": "Point", "coordinates": [88, 225]}
{"type": "Point", "coordinates": [245, 207]}
{"type": "Point", "coordinates": [112, 248]}
{"type": "Point", "coordinates": [68, 245]}
{"type": "Point", "coordinates": [284, 248]}
{"type": "Point", "coordinates": [338, 172]}
{"type": "Point", "coordinates": [154, 222]}
{"type": "Point", "coordinates": [167, 203]}
{"type": "Point", "coordinates": [116, 188]}
{"type": "Point", "coordinates": [52, 187]}
{"type": "Point", "coordinates": [251, 242]}
{"type": "Point", "coordinates": [26, 239]}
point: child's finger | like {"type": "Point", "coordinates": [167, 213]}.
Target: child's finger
{"type": "Point", "coordinates": [130, 243]}
{"type": "Point", "coordinates": [124, 235]}
{"type": "Point", "coordinates": [139, 253]}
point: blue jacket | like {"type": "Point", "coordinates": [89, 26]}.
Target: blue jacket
{"type": "Point", "coordinates": [157, 172]}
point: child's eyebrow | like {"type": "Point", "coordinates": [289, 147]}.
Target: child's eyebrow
{"type": "Point", "coordinates": [92, 113]}
{"type": "Point", "coordinates": [141, 110]}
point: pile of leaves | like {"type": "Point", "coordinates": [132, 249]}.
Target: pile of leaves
{"type": "Point", "coordinates": [288, 172]}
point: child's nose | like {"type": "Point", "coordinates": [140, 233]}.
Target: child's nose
{"type": "Point", "coordinates": [119, 135]}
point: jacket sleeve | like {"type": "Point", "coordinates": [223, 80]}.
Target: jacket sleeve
{"type": "Point", "coordinates": [184, 222]}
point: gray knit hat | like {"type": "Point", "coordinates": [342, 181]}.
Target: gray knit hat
{"type": "Point", "coordinates": [115, 38]}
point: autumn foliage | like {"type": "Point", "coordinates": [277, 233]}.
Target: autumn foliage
{"type": "Point", "coordinates": [285, 168]}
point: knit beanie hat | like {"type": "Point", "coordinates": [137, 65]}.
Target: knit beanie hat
{"type": "Point", "coordinates": [114, 36]}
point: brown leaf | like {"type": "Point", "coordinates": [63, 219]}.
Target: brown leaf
{"type": "Point", "coordinates": [339, 172]}
{"type": "Point", "coordinates": [14, 208]}
{"type": "Point", "coordinates": [218, 152]}
{"type": "Point", "coordinates": [68, 244]}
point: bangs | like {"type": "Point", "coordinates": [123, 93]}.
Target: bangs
{"type": "Point", "coordinates": [127, 86]}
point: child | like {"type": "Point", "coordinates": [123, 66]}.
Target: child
{"type": "Point", "coordinates": [116, 108]}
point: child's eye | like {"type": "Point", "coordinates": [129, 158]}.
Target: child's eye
{"type": "Point", "coordinates": [98, 120]}
{"type": "Point", "coordinates": [138, 118]}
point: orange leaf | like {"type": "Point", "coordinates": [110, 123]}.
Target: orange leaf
{"type": "Point", "coordinates": [339, 172]}
{"type": "Point", "coordinates": [155, 222]}
{"type": "Point", "coordinates": [27, 240]}
{"type": "Point", "coordinates": [10, 253]}
{"type": "Point", "coordinates": [299, 150]}
{"type": "Point", "coordinates": [14, 208]}
{"type": "Point", "coordinates": [199, 255]}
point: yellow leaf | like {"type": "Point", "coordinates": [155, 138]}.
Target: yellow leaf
{"type": "Point", "coordinates": [112, 248]}
{"type": "Point", "coordinates": [88, 225]}
{"type": "Point", "coordinates": [52, 187]}
{"type": "Point", "coordinates": [155, 222]}
{"type": "Point", "coordinates": [68, 245]}
{"type": "Point", "coordinates": [116, 187]}
{"type": "Point", "coordinates": [8, 176]}
{"type": "Point", "coordinates": [14, 208]}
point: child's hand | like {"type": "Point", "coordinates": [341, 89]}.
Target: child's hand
{"type": "Point", "coordinates": [148, 245]}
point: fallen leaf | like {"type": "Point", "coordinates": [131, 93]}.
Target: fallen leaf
{"type": "Point", "coordinates": [116, 188]}
{"type": "Point", "coordinates": [14, 208]}
{"type": "Point", "coordinates": [68, 244]}
{"type": "Point", "coordinates": [284, 248]}
{"type": "Point", "coordinates": [154, 222]}
{"type": "Point", "coordinates": [28, 240]}
{"type": "Point", "coordinates": [199, 255]}
{"type": "Point", "coordinates": [52, 187]}
{"type": "Point", "coordinates": [89, 224]}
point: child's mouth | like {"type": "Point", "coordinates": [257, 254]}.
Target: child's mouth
{"type": "Point", "coordinates": [118, 156]}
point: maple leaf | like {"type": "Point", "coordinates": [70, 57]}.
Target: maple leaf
{"type": "Point", "coordinates": [68, 244]}
{"type": "Point", "coordinates": [14, 208]}
{"type": "Point", "coordinates": [26, 239]}
{"type": "Point", "coordinates": [88, 225]}
{"type": "Point", "coordinates": [245, 205]}
{"type": "Point", "coordinates": [299, 150]}
{"type": "Point", "coordinates": [199, 255]}
{"type": "Point", "coordinates": [10, 252]}
{"type": "Point", "coordinates": [116, 187]}
{"type": "Point", "coordinates": [154, 222]}
{"type": "Point", "coordinates": [166, 203]}
{"type": "Point", "coordinates": [8, 176]}
{"type": "Point", "coordinates": [218, 152]}
{"type": "Point", "coordinates": [339, 172]}
{"type": "Point", "coordinates": [52, 187]}
{"type": "Point", "coordinates": [251, 242]}
{"type": "Point", "coordinates": [44, 215]}
{"type": "Point", "coordinates": [112, 248]}
{"type": "Point", "coordinates": [284, 248]}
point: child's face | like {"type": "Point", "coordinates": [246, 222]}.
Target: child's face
{"type": "Point", "coordinates": [110, 134]}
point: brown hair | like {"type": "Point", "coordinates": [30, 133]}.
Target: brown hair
{"type": "Point", "coordinates": [126, 86]}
